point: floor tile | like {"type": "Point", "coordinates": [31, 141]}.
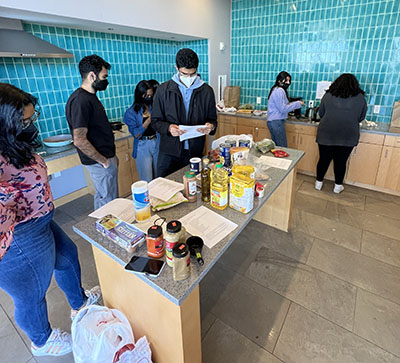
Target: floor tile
{"type": "Point", "coordinates": [68, 358]}
{"type": "Point", "coordinates": [327, 229]}
{"type": "Point", "coordinates": [79, 208]}
{"type": "Point", "coordinates": [347, 198]}
{"type": "Point", "coordinates": [362, 271]}
{"type": "Point", "coordinates": [372, 222]}
{"type": "Point", "coordinates": [254, 311]}
{"type": "Point", "coordinates": [223, 344]}
{"type": "Point", "coordinates": [373, 194]}
{"type": "Point", "coordinates": [381, 248]}
{"type": "Point", "coordinates": [12, 347]}
{"type": "Point", "coordinates": [206, 323]}
{"type": "Point", "coordinates": [309, 203]}
{"type": "Point", "coordinates": [324, 294]}
{"type": "Point", "coordinates": [242, 251]}
{"type": "Point", "coordinates": [383, 208]}
{"type": "Point", "coordinates": [378, 320]}
{"type": "Point", "coordinates": [308, 338]}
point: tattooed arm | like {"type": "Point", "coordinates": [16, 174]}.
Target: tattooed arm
{"type": "Point", "coordinates": [84, 145]}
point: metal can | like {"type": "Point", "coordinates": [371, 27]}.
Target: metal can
{"type": "Point", "coordinates": [225, 154]}
{"type": "Point", "coordinates": [244, 142]}
{"type": "Point", "coordinates": [232, 143]}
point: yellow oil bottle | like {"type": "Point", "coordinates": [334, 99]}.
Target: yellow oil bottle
{"type": "Point", "coordinates": [219, 187]}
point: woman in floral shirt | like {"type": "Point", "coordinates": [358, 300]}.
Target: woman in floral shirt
{"type": "Point", "coordinates": [32, 245]}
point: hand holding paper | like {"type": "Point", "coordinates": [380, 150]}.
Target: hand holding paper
{"type": "Point", "coordinates": [190, 132]}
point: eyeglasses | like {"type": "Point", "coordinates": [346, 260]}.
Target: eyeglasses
{"type": "Point", "coordinates": [27, 121]}
{"type": "Point", "coordinates": [183, 74]}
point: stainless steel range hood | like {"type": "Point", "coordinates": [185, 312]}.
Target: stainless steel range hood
{"type": "Point", "coordinates": [15, 42]}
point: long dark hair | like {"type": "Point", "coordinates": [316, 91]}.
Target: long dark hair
{"type": "Point", "coordinates": [12, 104]}
{"type": "Point", "coordinates": [280, 79]}
{"type": "Point", "coordinates": [345, 86]}
{"type": "Point", "coordinates": [154, 84]}
{"type": "Point", "coordinates": [140, 90]}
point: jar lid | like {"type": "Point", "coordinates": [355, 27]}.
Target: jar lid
{"type": "Point", "coordinates": [206, 161]}
{"type": "Point", "coordinates": [174, 226]}
{"type": "Point", "coordinates": [190, 174]}
{"type": "Point", "coordinates": [154, 231]}
{"type": "Point", "coordinates": [218, 166]}
{"type": "Point", "coordinates": [180, 250]}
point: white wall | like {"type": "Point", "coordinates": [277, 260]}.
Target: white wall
{"type": "Point", "coordinates": [194, 18]}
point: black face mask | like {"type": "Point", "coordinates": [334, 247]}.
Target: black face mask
{"type": "Point", "coordinates": [285, 85]}
{"type": "Point", "coordinates": [148, 101]}
{"type": "Point", "coordinates": [28, 134]}
{"type": "Point", "coordinates": [100, 85]}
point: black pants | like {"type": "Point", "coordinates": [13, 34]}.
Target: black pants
{"type": "Point", "coordinates": [339, 155]}
{"type": "Point", "coordinates": [168, 164]}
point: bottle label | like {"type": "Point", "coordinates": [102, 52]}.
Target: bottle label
{"type": "Point", "coordinates": [192, 188]}
{"type": "Point", "coordinates": [141, 200]}
{"type": "Point", "coordinates": [219, 198]}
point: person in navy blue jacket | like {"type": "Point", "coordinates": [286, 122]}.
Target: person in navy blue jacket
{"type": "Point", "coordinates": [146, 140]}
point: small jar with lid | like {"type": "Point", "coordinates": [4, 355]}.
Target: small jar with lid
{"type": "Point", "coordinates": [190, 186]}
{"type": "Point", "coordinates": [155, 242]}
{"type": "Point", "coordinates": [174, 234]}
{"type": "Point", "coordinates": [181, 262]}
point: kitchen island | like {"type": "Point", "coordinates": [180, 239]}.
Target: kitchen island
{"type": "Point", "coordinates": [168, 312]}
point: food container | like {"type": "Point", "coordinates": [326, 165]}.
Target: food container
{"type": "Point", "coordinates": [181, 262]}
{"type": "Point", "coordinates": [174, 234]}
{"type": "Point", "coordinates": [155, 242]}
{"type": "Point", "coordinates": [58, 140]}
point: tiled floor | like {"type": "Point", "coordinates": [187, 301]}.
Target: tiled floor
{"type": "Point", "coordinates": [328, 291]}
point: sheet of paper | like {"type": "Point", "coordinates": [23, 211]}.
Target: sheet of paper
{"type": "Point", "coordinates": [210, 226]}
{"type": "Point", "coordinates": [191, 132]}
{"type": "Point", "coordinates": [120, 207]}
{"type": "Point", "coordinates": [164, 189]}
{"type": "Point", "coordinates": [322, 86]}
{"type": "Point", "coordinates": [274, 162]}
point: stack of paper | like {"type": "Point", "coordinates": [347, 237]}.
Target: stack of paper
{"type": "Point", "coordinates": [164, 189]}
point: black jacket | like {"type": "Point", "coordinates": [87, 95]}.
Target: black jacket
{"type": "Point", "coordinates": [169, 108]}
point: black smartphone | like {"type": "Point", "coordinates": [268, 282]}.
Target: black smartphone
{"type": "Point", "coordinates": [145, 265]}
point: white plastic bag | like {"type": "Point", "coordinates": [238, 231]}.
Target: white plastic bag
{"type": "Point", "coordinates": [141, 353]}
{"type": "Point", "coordinates": [99, 333]}
{"type": "Point", "coordinates": [215, 144]}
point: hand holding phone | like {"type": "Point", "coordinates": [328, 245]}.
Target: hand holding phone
{"type": "Point", "coordinates": [145, 265]}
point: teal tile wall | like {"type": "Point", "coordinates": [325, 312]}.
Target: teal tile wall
{"type": "Point", "coordinates": [132, 59]}
{"type": "Point", "coordinates": [317, 40]}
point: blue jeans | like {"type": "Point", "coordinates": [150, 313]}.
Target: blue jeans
{"type": "Point", "coordinates": [278, 132]}
{"type": "Point", "coordinates": [146, 159]}
{"type": "Point", "coordinates": [105, 182]}
{"type": "Point", "coordinates": [40, 247]}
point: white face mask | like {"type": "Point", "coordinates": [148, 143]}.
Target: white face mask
{"type": "Point", "coordinates": [188, 81]}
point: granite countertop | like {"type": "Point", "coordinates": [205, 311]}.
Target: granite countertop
{"type": "Point", "coordinates": [52, 153]}
{"type": "Point", "coordinates": [381, 128]}
{"type": "Point", "coordinates": [178, 291]}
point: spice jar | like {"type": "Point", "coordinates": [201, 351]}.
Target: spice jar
{"type": "Point", "coordinates": [175, 233]}
{"type": "Point", "coordinates": [181, 262]}
{"type": "Point", "coordinates": [190, 186]}
{"type": "Point", "coordinates": [155, 242]}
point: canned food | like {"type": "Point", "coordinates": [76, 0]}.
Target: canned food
{"type": "Point", "coordinates": [245, 143]}
{"type": "Point", "coordinates": [225, 154]}
{"type": "Point", "coordinates": [232, 143]}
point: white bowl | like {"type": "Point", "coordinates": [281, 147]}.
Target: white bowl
{"type": "Point", "coordinates": [58, 140]}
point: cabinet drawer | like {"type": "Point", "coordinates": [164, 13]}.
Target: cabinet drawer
{"type": "Point", "coordinates": [242, 121]}
{"type": "Point", "coordinates": [301, 129]}
{"type": "Point", "coordinates": [227, 119]}
{"type": "Point", "coordinates": [392, 140]}
{"type": "Point", "coordinates": [372, 138]}
{"type": "Point", "coordinates": [260, 123]}
{"type": "Point", "coordinates": [121, 145]}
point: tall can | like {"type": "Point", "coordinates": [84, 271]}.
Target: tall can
{"type": "Point", "coordinates": [141, 201]}
{"type": "Point", "coordinates": [225, 154]}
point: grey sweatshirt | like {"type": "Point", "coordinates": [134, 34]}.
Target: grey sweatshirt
{"type": "Point", "coordinates": [340, 119]}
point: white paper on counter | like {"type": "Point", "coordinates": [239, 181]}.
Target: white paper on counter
{"type": "Point", "coordinates": [164, 189]}
{"type": "Point", "coordinates": [121, 208]}
{"type": "Point", "coordinates": [274, 162]}
{"type": "Point", "coordinates": [322, 86]}
{"type": "Point", "coordinates": [191, 132]}
{"type": "Point", "coordinates": [210, 226]}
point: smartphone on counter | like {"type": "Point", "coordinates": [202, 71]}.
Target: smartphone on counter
{"type": "Point", "coordinates": [145, 265]}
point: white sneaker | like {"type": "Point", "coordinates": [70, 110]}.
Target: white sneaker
{"type": "Point", "coordinates": [93, 295]}
{"type": "Point", "coordinates": [338, 188]}
{"type": "Point", "coordinates": [58, 344]}
{"type": "Point", "coordinates": [318, 184]}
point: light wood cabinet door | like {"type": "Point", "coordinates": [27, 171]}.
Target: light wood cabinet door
{"type": "Point", "coordinates": [261, 133]}
{"type": "Point", "coordinates": [389, 169]}
{"type": "Point", "coordinates": [364, 163]}
{"type": "Point", "coordinates": [124, 173]}
{"type": "Point", "coordinates": [291, 139]}
{"type": "Point", "coordinates": [307, 144]}
{"type": "Point", "coordinates": [244, 129]}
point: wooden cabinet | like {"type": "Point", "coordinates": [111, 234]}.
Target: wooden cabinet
{"type": "Point", "coordinates": [364, 163]}
{"type": "Point", "coordinates": [388, 176]}
{"type": "Point", "coordinates": [307, 144]}
{"type": "Point", "coordinates": [127, 172]}
{"type": "Point", "coordinates": [260, 133]}
{"type": "Point", "coordinates": [227, 125]}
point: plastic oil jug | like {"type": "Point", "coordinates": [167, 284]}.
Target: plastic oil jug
{"type": "Point", "coordinates": [219, 187]}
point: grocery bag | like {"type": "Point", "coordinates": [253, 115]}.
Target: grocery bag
{"type": "Point", "coordinates": [102, 335]}
{"type": "Point", "coordinates": [232, 96]}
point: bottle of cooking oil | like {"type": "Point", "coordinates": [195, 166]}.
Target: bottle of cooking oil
{"type": "Point", "coordinates": [219, 187]}
{"type": "Point", "coordinates": [205, 181]}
